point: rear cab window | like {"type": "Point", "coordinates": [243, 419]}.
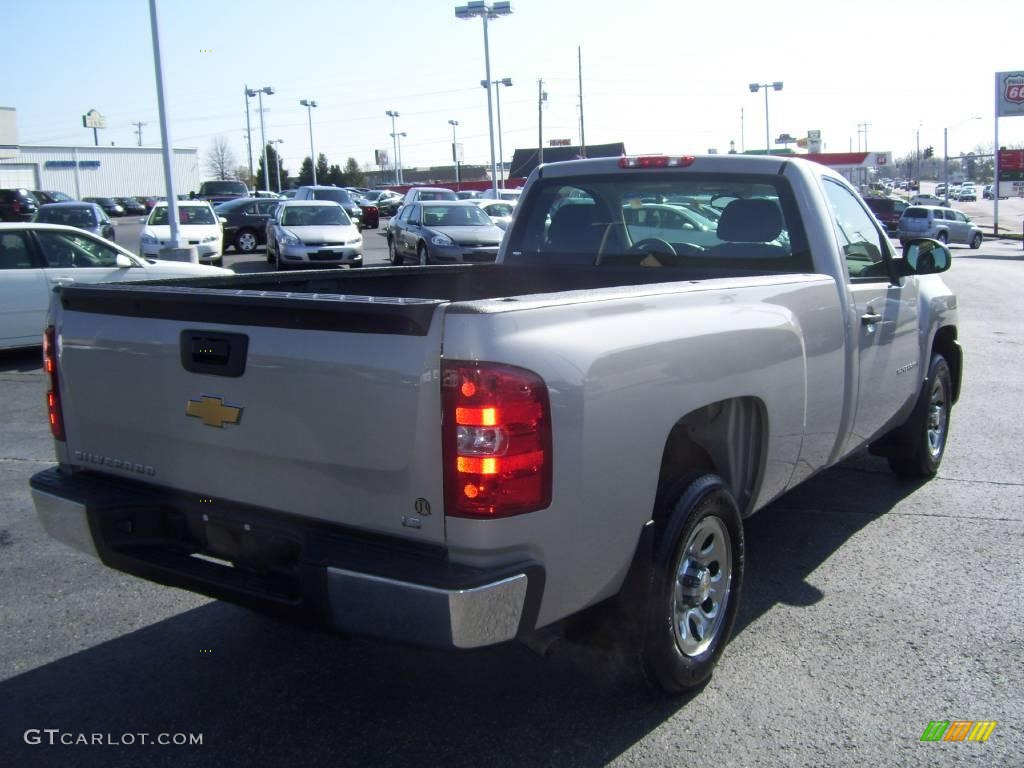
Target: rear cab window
{"type": "Point", "coordinates": [644, 219]}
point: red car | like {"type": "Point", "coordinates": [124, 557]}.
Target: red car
{"type": "Point", "coordinates": [371, 214]}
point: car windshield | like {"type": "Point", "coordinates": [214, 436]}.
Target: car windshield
{"type": "Point", "coordinates": [314, 216]}
{"type": "Point", "coordinates": [223, 188]}
{"type": "Point", "coordinates": [436, 194]}
{"type": "Point", "coordinates": [454, 216]}
{"type": "Point", "coordinates": [626, 219]}
{"type": "Point", "coordinates": [339, 196]}
{"type": "Point", "coordinates": [499, 209]}
{"type": "Point", "coordinates": [194, 215]}
{"type": "Point", "coordinates": [81, 216]}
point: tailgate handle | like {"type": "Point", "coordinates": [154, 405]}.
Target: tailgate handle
{"type": "Point", "coordinates": [215, 353]}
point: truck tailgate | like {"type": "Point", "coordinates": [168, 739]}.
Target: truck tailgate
{"type": "Point", "coordinates": [336, 415]}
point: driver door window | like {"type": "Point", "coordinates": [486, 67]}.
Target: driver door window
{"type": "Point", "coordinates": [859, 238]}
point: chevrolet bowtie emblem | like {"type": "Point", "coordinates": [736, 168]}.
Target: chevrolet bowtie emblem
{"type": "Point", "coordinates": [213, 412]}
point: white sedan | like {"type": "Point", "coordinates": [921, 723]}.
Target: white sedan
{"type": "Point", "coordinates": [35, 258]}
{"type": "Point", "coordinates": [199, 225]}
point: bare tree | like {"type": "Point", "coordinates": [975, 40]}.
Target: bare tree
{"type": "Point", "coordinates": [220, 160]}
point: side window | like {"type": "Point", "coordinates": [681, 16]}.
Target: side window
{"type": "Point", "coordinates": [64, 250]}
{"type": "Point", "coordinates": [14, 251]}
{"type": "Point", "coordinates": [414, 214]}
{"type": "Point", "coordinates": [961, 217]}
{"type": "Point", "coordinates": [860, 239]}
{"type": "Point", "coordinates": [266, 208]}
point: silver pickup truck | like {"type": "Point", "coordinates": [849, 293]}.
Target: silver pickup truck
{"type": "Point", "coordinates": [462, 455]}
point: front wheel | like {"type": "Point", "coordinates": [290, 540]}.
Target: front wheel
{"type": "Point", "coordinates": [695, 585]}
{"type": "Point", "coordinates": [921, 442]}
{"type": "Point", "coordinates": [976, 241]}
{"type": "Point", "coordinates": [421, 255]}
{"type": "Point", "coordinates": [395, 259]}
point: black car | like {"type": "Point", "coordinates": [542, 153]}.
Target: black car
{"type": "Point", "coordinates": [132, 206]}
{"type": "Point", "coordinates": [47, 196]}
{"type": "Point", "coordinates": [246, 226]}
{"type": "Point", "coordinates": [387, 202]}
{"type": "Point", "coordinates": [17, 205]}
{"type": "Point", "coordinates": [108, 204]}
{"type": "Point", "coordinates": [87, 216]}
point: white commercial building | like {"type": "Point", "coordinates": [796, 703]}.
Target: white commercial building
{"type": "Point", "coordinates": [97, 171]}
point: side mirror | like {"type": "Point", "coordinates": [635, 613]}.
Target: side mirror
{"type": "Point", "coordinates": [926, 257]}
{"type": "Point", "coordinates": [123, 262]}
{"type": "Point", "coordinates": [222, 220]}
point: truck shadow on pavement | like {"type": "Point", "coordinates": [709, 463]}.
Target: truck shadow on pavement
{"type": "Point", "coordinates": [22, 360]}
{"type": "Point", "coordinates": [265, 693]}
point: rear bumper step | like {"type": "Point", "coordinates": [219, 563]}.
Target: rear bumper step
{"type": "Point", "coordinates": [296, 568]}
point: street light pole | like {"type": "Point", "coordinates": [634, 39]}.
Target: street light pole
{"type": "Point", "coordinates": [263, 136]}
{"type": "Point", "coordinates": [277, 162]}
{"type": "Point", "coordinates": [248, 133]}
{"type": "Point", "coordinates": [455, 153]}
{"type": "Point", "coordinates": [394, 142]}
{"type": "Point", "coordinates": [165, 134]}
{"type": "Point", "coordinates": [398, 167]}
{"type": "Point", "coordinates": [309, 104]}
{"type": "Point", "coordinates": [485, 9]}
{"type": "Point", "coordinates": [506, 81]}
{"type": "Point", "coordinates": [754, 88]}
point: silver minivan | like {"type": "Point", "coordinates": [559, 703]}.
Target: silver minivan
{"type": "Point", "coordinates": [938, 223]}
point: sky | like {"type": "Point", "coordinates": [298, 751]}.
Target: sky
{"type": "Point", "coordinates": [662, 76]}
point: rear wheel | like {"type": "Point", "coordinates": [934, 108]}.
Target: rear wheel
{"type": "Point", "coordinates": [694, 589]}
{"type": "Point", "coordinates": [920, 444]}
{"type": "Point", "coordinates": [246, 241]}
{"type": "Point", "coordinates": [976, 241]}
{"type": "Point", "coordinates": [943, 238]}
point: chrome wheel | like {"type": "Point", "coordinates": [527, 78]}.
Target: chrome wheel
{"type": "Point", "coordinates": [702, 587]}
{"type": "Point", "coordinates": [938, 415]}
{"type": "Point", "coordinates": [246, 242]}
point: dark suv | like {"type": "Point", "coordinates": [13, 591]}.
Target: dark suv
{"type": "Point", "coordinates": [887, 211]}
{"type": "Point", "coordinates": [17, 205]}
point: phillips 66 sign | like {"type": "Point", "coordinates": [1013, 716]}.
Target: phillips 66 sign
{"type": "Point", "coordinates": [1009, 94]}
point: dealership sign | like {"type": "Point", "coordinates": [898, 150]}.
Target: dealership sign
{"type": "Point", "coordinates": [1009, 94]}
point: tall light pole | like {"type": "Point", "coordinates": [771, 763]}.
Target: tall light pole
{"type": "Point", "coordinates": [506, 81]}
{"type": "Point", "coordinates": [277, 161]}
{"type": "Point", "coordinates": [455, 152]}
{"type": "Point", "coordinates": [754, 88]}
{"type": "Point", "coordinates": [397, 137]}
{"type": "Point", "coordinates": [394, 142]}
{"type": "Point", "coordinates": [485, 9]}
{"type": "Point", "coordinates": [542, 96]}
{"type": "Point", "coordinates": [165, 135]}
{"type": "Point", "coordinates": [249, 93]}
{"type": "Point", "coordinates": [263, 134]}
{"type": "Point", "coordinates": [945, 155]}
{"type": "Point", "coordinates": [309, 104]}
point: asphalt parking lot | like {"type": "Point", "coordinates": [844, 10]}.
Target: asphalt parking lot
{"type": "Point", "coordinates": [872, 607]}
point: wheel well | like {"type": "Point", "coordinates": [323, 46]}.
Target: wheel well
{"type": "Point", "coordinates": [726, 438]}
{"type": "Point", "coordinates": [945, 344]}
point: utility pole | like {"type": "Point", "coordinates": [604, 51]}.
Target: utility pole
{"type": "Point", "coordinates": [583, 138]}
{"type": "Point", "coordinates": [863, 127]}
{"type": "Point", "coordinates": [138, 130]}
{"type": "Point", "coordinates": [541, 98]}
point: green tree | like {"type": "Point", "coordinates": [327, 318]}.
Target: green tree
{"type": "Point", "coordinates": [322, 169]}
{"type": "Point", "coordinates": [354, 176]}
{"type": "Point", "coordinates": [306, 172]}
{"type": "Point", "coordinates": [272, 159]}
{"type": "Point", "coordinates": [335, 176]}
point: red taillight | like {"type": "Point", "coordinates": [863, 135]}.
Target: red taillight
{"type": "Point", "coordinates": [656, 161]}
{"type": "Point", "coordinates": [53, 395]}
{"type": "Point", "coordinates": [497, 440]}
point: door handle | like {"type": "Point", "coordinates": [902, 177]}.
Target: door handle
{"type": "Point", "coordinates": [63, 280]}
{"type": "Point", "coordinates": [870, 317]}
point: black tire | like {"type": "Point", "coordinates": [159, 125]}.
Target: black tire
{"type": "Point", "coordinates": [422, 256]}
{"type": "Point", "coordinates": [920, 444]}
{"type": "Point", "coordinates": [976, 241]}
{"type": "Point", "coordinates": [278, 265]}
{"type": "Point", "coordinates": [246, 241]}
{"type": "Point", "coordinates": [943, 237]}
{"type": "Point", "coordinates": [393, 256]}
{"type": "Point", "coordinates": [699, 519]}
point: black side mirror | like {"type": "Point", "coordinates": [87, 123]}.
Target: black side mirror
{"type": "Point", "coordinates": [924, 256]}
{"type": "Point", "coordinates": [192, 195]}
